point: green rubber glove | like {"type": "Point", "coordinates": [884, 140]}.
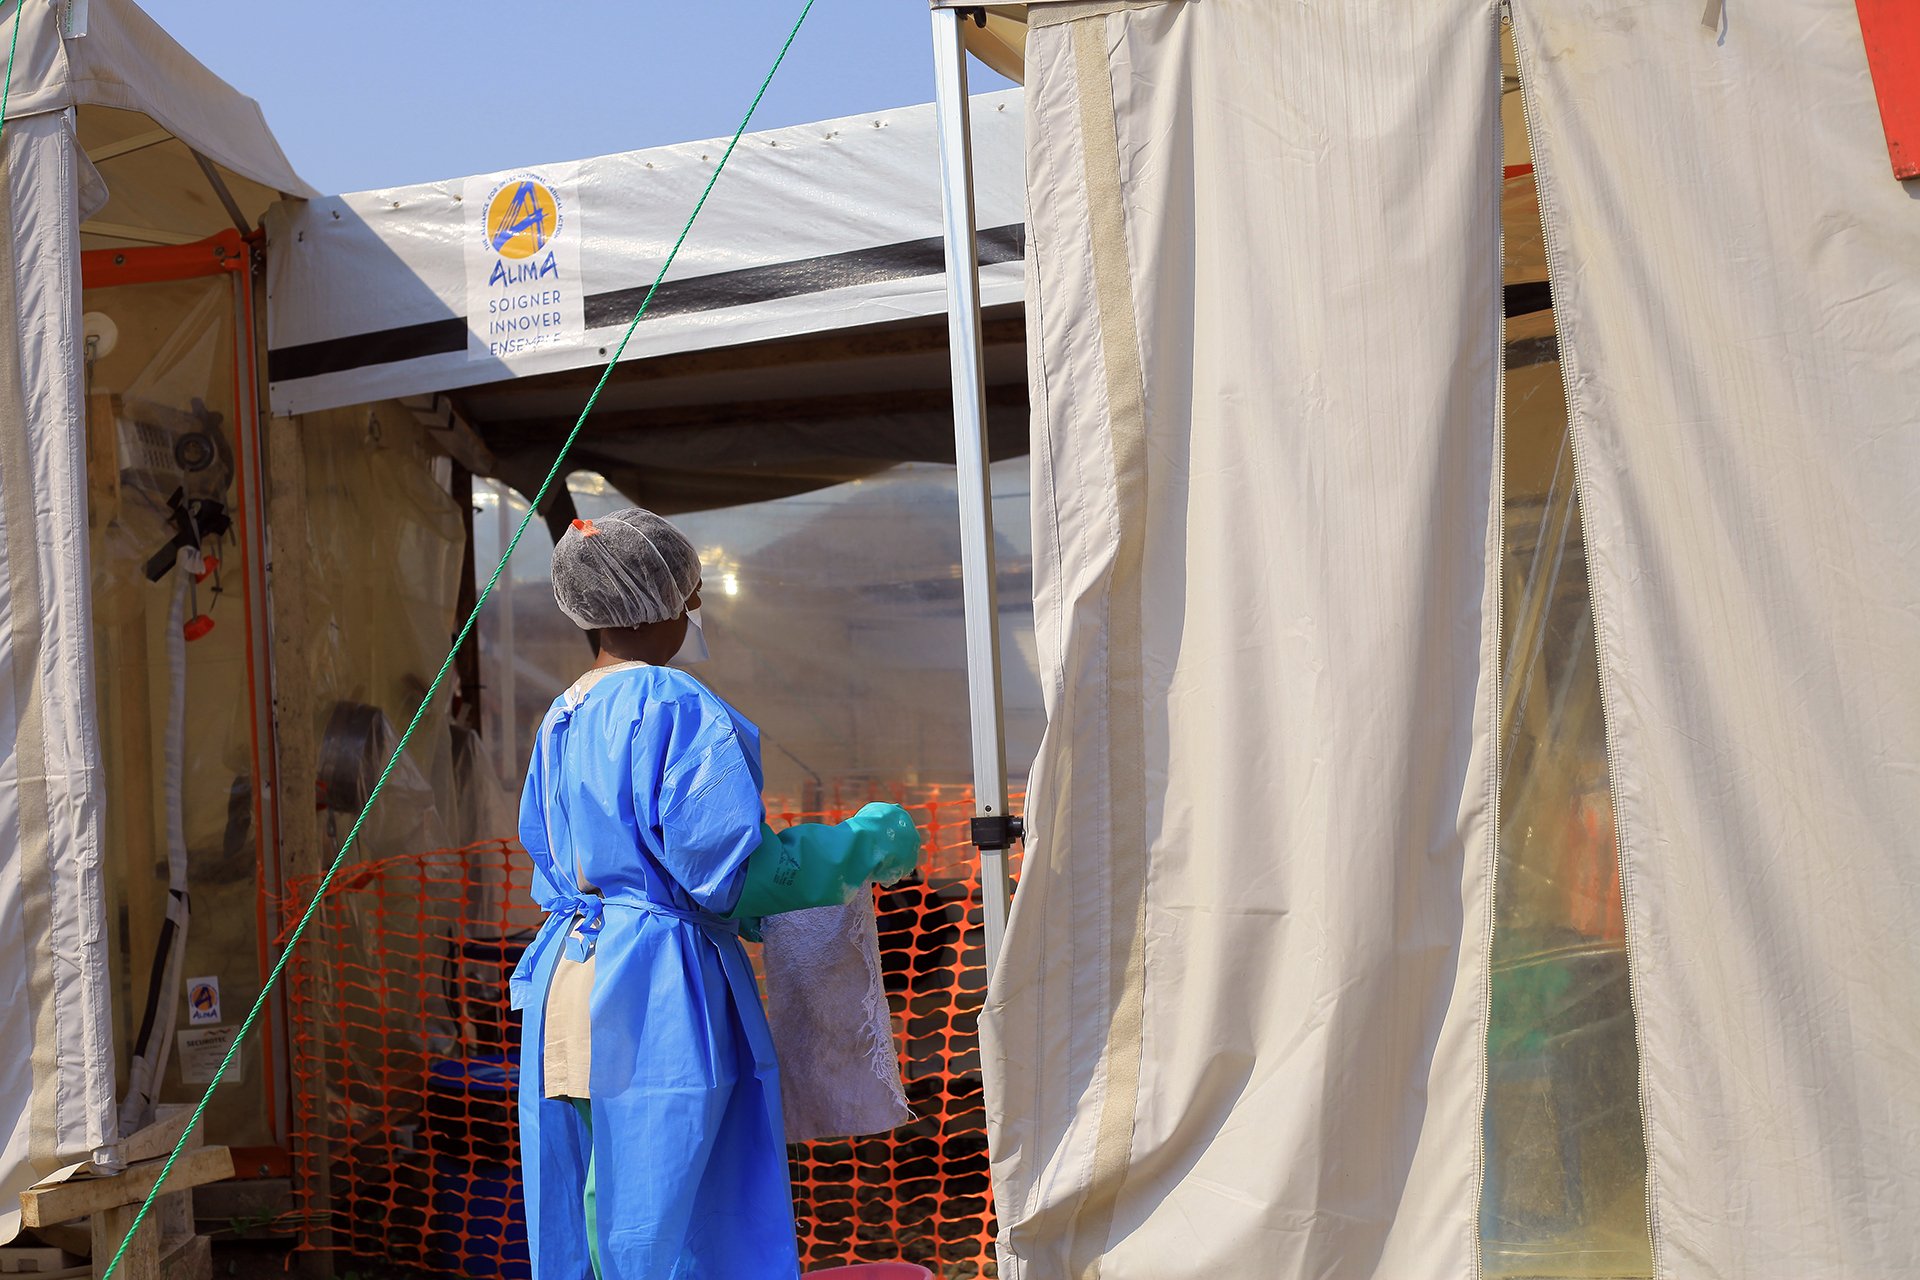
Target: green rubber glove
{"type": "Point", "coordinates": [815, 865]}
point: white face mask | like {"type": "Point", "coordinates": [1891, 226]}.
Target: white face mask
{"type": "Point", "coordinates": [694, 648]}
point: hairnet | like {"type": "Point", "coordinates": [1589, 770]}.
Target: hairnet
{"type": "Point", "coordinates": [624, 570]}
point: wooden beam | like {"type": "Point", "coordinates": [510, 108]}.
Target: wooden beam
{"type": "Point", "coordinates": [190, 1259]}
{"type": "Point", "coordinates": [297, 715]}
{"type": "Point", "coordinates": [82, 1197]}
{"type": "Point", "coordinates": [72, 1237]}
{"type": "Point", "coordinates": [157, 1139]}
{"type": "Point", "coordinates": [140, 1259]}
{"type": "Point", "coordinates": [449, 432]}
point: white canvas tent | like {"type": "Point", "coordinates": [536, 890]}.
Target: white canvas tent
{"type": "Point", "coordinates": [817, 229]}
{"type": "Point", "coordinates": [114, 138]}
{"type": "Point", "coordinates": [1241, 1022]}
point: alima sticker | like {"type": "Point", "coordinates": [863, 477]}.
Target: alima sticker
{"type": "Point", "coordinates": [523, 264]}
{"type": "Point", "coordinates": [521, 218]}
{"type": "Point", "coordinates": [203, 1001]}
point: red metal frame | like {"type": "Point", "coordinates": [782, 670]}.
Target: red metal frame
{"type": "Point", "coordinates": [108, 268]}
{"type": "Point", "coordinates": [1891, 30]}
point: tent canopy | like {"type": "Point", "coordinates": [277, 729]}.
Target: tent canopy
{"type": "Point", "coordinates": [147, 115]}
{"type": "Point", "coordinates": [784, 351]}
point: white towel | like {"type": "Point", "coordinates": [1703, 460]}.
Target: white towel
{"type": "Point", "coordinates": [839, 1069]}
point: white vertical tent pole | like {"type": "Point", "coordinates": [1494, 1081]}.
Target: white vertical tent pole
{"type": "Point", "coordinates": [994, 829]}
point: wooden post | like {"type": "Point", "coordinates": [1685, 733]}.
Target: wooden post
{"type": "Point", "coordinates": [110, 1227]}
{"type": "Point", "coordinates": [467, 662]}
{"type": "Point", "coordinates": [298, 720]}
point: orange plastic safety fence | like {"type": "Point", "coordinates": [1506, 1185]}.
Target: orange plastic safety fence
{"type": "Point", "coordinates": [404, 1050]}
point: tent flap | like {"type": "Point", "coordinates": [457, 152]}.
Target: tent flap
{"type": "Point", "coordinates": [56, 1075]}
{"type": "Point", "coordinates": [1238, 1025]}
{"type": "Point", "coordinates": [1734, 283]}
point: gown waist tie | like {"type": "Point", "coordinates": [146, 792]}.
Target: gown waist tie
{"type": "Point", "coordinates": [579, 917]}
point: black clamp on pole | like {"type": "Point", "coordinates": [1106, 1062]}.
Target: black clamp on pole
{"type": "Point", "coordinates": [998, 833]}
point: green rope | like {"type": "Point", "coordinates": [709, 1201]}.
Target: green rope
{"type": "Point", "coordinates": [293, 939]}
{"type": "Point", "coordinates": [13, 46]}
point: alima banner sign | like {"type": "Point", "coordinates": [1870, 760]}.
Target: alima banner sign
{"type": "Point", "coordinates": [523, 265]}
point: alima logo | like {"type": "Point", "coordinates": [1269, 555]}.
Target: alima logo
{"type": "Point", "coordinates": [523, 263]}
{"type": "Point", "coordinates": [521, 218]}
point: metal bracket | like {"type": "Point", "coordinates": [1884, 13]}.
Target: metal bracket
{"type": "Point", "coordinates": [998, 833]}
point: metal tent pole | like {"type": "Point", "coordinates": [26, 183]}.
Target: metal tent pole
{"type": "Point", "coordinates": [995, 829]}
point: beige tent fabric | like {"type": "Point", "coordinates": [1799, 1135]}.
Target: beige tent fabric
{"type": "Point", "coordinates": [118, 57]}
{"type": "Point", "coordinates": [1737, 287]}
{"type": "Point", "coordinates": [1238, 1025]}
{"type": "Point", "coordinates": [56, 1071]}
{"type": "Point", "coordinates": [144, 106]}
{"type": "Point", "coordinates": [85, 76]}
{"type": "Point", "coordinates": [1002, 42]}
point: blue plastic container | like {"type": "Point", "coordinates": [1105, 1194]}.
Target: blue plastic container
{"type": "Point", "coordinates": [479, 1222]}
{"type": "Point", "coordinates": [472, 1109]}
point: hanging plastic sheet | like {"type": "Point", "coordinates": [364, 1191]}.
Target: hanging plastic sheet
{"type": "Point", "coordinates": [833, 619]}
{"type": "Point", "coordinates": [376, 587]}
{"type": "Point", "coordinates": [171, 669]}
{"type": "Point", "coordinates": [1565, 1167]}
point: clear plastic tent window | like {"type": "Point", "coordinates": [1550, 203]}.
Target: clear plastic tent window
{"type": "Point", "coordinates": [833, 620]}
{"type": "Point", "coordinates": [1566, 1164]}
{"type": "Point", "coordinates": [170, 662]}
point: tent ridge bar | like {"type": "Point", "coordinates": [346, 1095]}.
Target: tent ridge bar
{"type": "Point", "coordinates": [219, 185]}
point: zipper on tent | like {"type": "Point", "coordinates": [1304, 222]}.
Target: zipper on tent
{"type": "Point", "coordinates": [1555, 275]}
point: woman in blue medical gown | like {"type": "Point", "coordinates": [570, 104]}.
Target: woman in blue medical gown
{"type": "Point", "coordinates": [650, 1121]}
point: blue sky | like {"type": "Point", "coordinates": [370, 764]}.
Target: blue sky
{"type": "Point", "coordinates": [370, 94]}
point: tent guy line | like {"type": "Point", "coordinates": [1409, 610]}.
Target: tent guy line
{"type": "Point", "coordinates": [466, 632]}
{"type": "Point", "coordinates": [13, 47]}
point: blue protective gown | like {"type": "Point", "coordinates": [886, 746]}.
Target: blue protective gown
{"type": "Point", "coordinates": [653, 783]}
